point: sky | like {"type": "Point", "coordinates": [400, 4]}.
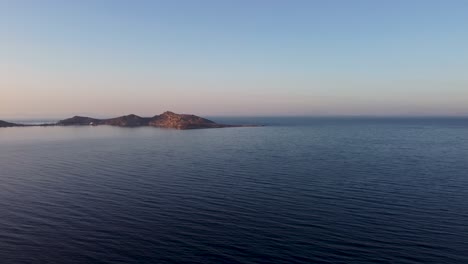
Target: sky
{"type": "Point", "coordinates": [233, 57]}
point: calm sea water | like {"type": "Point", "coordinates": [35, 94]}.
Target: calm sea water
{"type": "Point", "coordinates": [300, 190]}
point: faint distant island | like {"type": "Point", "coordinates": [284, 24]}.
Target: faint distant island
{"type": "Point", "coordinates": [165, 120]}
{"type": "Point", "coordinates": [6, 124]}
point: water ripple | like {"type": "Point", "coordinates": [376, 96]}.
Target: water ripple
{"type": "Point", "coordinates": [323, 193]}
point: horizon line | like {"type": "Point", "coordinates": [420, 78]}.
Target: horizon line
{"type": "Point", "coordinates": [260, 116]}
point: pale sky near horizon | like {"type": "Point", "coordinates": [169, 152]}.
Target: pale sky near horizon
{"type": "Point", "coordinates": [215, 57]}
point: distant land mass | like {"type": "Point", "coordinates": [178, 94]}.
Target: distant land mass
{"type": "Point", "coordinates": [6, 124]}
{"type": "Point", "coordinates": [165, 120]}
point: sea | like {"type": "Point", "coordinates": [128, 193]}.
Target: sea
{"type": "Point", "coordinates": [296, 190]}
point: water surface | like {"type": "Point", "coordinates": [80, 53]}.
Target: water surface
{"type": "Point", "coordinates": [300, 190]}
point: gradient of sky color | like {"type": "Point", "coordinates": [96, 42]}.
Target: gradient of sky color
{"type": "Point", "coordinates": [233, 57]}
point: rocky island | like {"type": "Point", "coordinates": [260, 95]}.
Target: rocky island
{"type": "Point", "coordinates": [165, 120]}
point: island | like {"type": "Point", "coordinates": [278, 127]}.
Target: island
{"type": "Point", "coordinates": [165, 120]}
{"type": "Point", "coordinates": [7, 124]}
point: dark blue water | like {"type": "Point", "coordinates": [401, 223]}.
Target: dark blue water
{"type": "Point", "coordinates": [301, 190]}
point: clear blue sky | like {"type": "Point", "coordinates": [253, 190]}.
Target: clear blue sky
{"type": "Point", "coordinates": [329, 57]}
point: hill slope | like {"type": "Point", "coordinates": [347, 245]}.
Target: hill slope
{"type": "Point", "coordinates": [7, 124]}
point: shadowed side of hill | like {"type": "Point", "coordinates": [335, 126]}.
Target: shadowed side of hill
{"type": "Point", "coordinates": [126, 121]}
{"type": "Point", "coordinates": [79, 121]}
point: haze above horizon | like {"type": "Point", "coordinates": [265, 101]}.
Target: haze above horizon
{"type": "Point", "coordinates": [237, 58]}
